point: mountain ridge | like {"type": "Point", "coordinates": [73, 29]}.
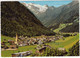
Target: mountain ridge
{"type": "Point", "coordinates": [16, 18]}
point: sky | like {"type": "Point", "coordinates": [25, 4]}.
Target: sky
{"type": "Point", "coordinates": [49, 3]}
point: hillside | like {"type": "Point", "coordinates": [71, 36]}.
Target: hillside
{"type": "Point", "coordinates": [71, 28]}
{"type": "Point", "coordinates": [16, 18]}
{"type": "Point", "coordinates": [41, 12]}
{"type": "Point", "coordinates": [66, 13]}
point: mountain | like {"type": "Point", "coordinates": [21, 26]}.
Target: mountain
{"type": "Point", "coordinates": [43, 13]}
{"type": "Point", "coordinates": [68, 13]}
{"type": "Point", "coordinates": [16, 18]}
{"type": "Point", "coordinates": [53, 15]}
{"type": "Point", "coordinates": [36, 8]}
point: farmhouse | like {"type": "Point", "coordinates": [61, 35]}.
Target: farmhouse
{"type": "Point", "coordinates": [42, 49]}
{"type": "Point", "coordinates": [11, 42]}
{"type": "Point", "coordinates": [13, 47]}
{"type": "Point", "coordinates": [3, 43]}
{"type": "Point", "coordinates": [22, 54]}
{"type": "Point", "coordinates": [62, 49]}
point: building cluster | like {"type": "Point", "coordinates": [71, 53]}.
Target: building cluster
{"type": "Point", "coordinates": [8, 45]}
{"type": "Point", "coordinates": [22, 41]}
{"type": "Point", "coordinates": [25, 41]}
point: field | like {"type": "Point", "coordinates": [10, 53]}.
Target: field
{"type": "Point", "coordinates": [6, 37]}
{"type": "Point", "coordinates": [7, 53]}
{"type": "Point", "coordinates": [67, 43]}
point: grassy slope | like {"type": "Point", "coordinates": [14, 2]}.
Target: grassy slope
{"type": "Point", "coordinates": [61, 26]}
{"type": "Point", "coordinates": [71, 28]}
{"type": "Point", "coordinates": [6, 37]}
{"type": "Point", "coordinates": [67, 43]}
{"type": "Point", "coordinates": [7, 53]}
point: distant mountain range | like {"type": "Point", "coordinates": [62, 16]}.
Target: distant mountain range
{"type": "Point", "coordinates": [50, 15]}
{"type": "Point", "coordinates": [16, 18]}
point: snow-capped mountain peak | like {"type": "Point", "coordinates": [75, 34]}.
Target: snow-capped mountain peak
{"type": "Point", "coordinates": [36, 7]}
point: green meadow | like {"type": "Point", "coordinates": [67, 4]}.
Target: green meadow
{"type": "Point", "coordinates": [61, 26]}
{"type": "Point", "coordinates": [8, 53]}
{"type": "Point", "coordinates": [6, 37]}
{"type": "Point", "coordinates": [67, 43]}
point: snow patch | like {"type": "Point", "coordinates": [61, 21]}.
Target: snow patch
{"type": "Point", "coordinates": [36, 7]}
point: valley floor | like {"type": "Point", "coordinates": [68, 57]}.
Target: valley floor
{"type": "Point", "coordinates": [67, 43]}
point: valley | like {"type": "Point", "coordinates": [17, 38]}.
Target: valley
{"type": "Point", "coordinates": [52, 15]}
{"type": "Point", "coordinates": [66, 43]}
{"type": "Point", "coordinates": [29, 29]}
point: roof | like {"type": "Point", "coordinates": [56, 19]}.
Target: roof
{"type": "Point", "coordinates": [23, 52]}
{"type": "Point", "coordinates": [61, 48]}
{"type": "Point", "coordinates": [12, 45]}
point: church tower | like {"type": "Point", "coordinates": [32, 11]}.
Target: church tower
{"type": "Point", "coordinates": [16, 40]}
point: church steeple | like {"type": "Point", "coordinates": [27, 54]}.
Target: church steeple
{"type": "Point", "coordinates": [16, 39]}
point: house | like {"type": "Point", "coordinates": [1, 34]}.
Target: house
{"type": "Point", "coordinates": [13, 47]}
{"type": "Point", "coordinates": [21, 38]}
{"type": "Point", "coordinates": [75, 34]}
{"type": "Point", "coordinates": [11, 42]}
{"type": "Point", "coordinates": [15, 55]}
{"type": "Point", "coordinates": [40, 42]}
{"type": "Point", "coordinates": [22, 43]}
{"type": "Point", "coordinates": [42, 49]}
{"type": "Point", "coordinates": [21, 54]}
{"type": "Point", "coordinates": [19, 43]}
{"type": "Point", "coordinates": [2, 45]}
{"type": "Point", "coordinates": [62, 49]}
